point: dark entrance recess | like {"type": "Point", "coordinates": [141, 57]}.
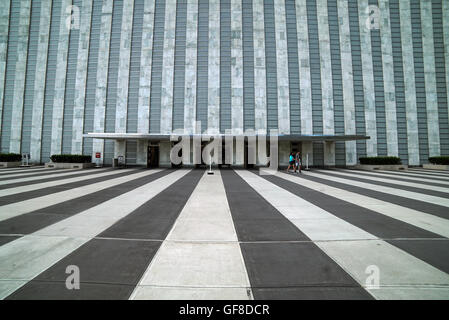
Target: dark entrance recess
{"type": "Point", "coordinates": [247, 164]}
{"type": "Point", "coordinates": [153, 157]}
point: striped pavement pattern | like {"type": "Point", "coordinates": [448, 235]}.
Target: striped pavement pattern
{"type": "Point", "coordinates": [237, 234]}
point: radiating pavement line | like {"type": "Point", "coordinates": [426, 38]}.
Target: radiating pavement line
{"type": "Point", "coordinates": [396, 267]}
{"type": "Point", "coordinates": [406, 186]}
{"type": "Point", "coordinates": [27, 173]}
{"type": "Point", "coordinates": [23, 259]}
{"type": "Point", "coordinates": [18, 208]}
{"type": "Point", "coordinates": [111, 264]}
{"type": "Point", "coordinates": [37, 186]}
{"type": "Point", "coordinates": [430, 182]}
{"type": "Point", "coordinates": [46, 177]}
{"type": "Point", "coordinates": [201, 256]}
{"type": "Point", "coordinates": [7, 170]}
{"type": "Point", "coordinates": [388, 190]}
{"type": "Point", "coordinates": [32, 221]}
{"type": "Point", "coordinates": [441, 172]}
{"type": "Point", "coordinates": [413, 217]}
{"type": "Point", "coordinates": [282, 262]}
{"type": "Point", "coordinates": [381, 226]}
{"type": "Point", "coordinates": [414, 173]}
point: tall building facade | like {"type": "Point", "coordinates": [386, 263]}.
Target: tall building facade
{"type": "Point", "coordinates": [337, 79]}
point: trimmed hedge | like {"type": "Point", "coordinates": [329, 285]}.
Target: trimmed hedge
{"type": "Point", "coordinates": [71, 158]}
{"type": "Point", "coordinates": [444, 160]}
{"type": "Point", "coordinates": [10, 157]}
{"type": "Point", "coordinates": [380, 160]}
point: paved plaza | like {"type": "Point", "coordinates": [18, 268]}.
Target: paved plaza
{"type": "Point", "coordinates": [237, 234]}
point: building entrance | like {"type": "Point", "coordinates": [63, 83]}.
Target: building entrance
{"type": "Point", "coordinates": [153, 157]}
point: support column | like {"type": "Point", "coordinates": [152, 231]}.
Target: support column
{"type": "Point", "coordinates": [39, 82]}
{"type": "Point", "coordinates": [5, 7]}
{"type": "Point", "coordinates": [433, 126]}
{"type": "Point", "coordinates": [260, 90]}
{"type": "Point", "coordinates": [168, 62]}
{"type": "Point", "coordinates": [282, 67]}
{"type": "Point", "coordinates": [81, 78]}
{"type": "Point", "coordinates": [409, 83]}
{"type": "Point", "coordinates": [305, 89]}
{"type": "Point", "coordinates": [121, 110]}
{"type": "Point", "coordinates": [236, 67]}
{"type": "Point", "coordinates": [389, 84]}
{"type": "Point", "coordinates": [213, 109]}
{"type": "Point", "coordinates": [368, 78]}
{"type": "Point", "coordinates": [102, 76]}
{"type": "Point", "coordinates": [61, 74]}
{"type": "Point", "coordinates": [348, 81]}
{"type": "Point", "coordinates": [19, 81]}
{"type": "Point", "coordinates": [446, 42]}
{"type": "Point", "coordinates": [191, 67]}
{"type": "Point", "coordinates": [329, 153]}
{"type": "Point", "coordinates": [326, 78]}
{"type": "Point", "coordinates": [146, 59]}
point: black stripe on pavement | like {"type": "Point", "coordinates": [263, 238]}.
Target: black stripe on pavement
{"type": "Point", "coordinates": [111, 268]}
{"type": "Point", "coordinates": [5, 239]}
{"type": "Point", "coordinates": [30, 222]}
{"type": "Point", "coordinates": [63, 187]}
{"type": "Point", "coordinates": [418, 175]}
{"type": "Point", "coordinates": [394, 178]}
{"type": "Point", "coordinates": [377, 224]}
{"type": "Point", "coordinates": [436, 172]}
{"type": "Point", "coordinates": [254, 218]}
{"type": "Point", "coordinates": [6, 170]}
{"type": "Point", "coordinates": [335, 174]}
{"type": "Point", "coordinates": [76, 173]}
{"type": "Point", "coordinates": [425, 207]}
{"type": "Point", "coordinates": [4, 175]}
{"type": "Point", "coordinates": [280, 270]}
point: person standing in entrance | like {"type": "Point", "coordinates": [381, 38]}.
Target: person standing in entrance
{"type": "Point", "coordinates": [297, 162]}
{"type": "Point", "coordinates": [291, 162]}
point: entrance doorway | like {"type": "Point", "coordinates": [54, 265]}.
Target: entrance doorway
{"type": "Point", "coordinates": [153, 157]}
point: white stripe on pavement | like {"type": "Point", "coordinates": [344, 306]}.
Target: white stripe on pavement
{"type": "Point", "coordinates": [15, 170]}
{"type": "Point", "coordinates": [37, 186]}
{"type": "Point", "coordinates": [396, 267]}
{"type": "Point", "coordinates": [18, 208]}
{"type": "Point", "coordinates": [49, 176]}
{"type": "Point", "coordinates": [25, 258]}
{"type": "Point", "coordinates": [394, 182]}
{"type": "Point", "coordinates": [417, 218]}
{"type": "Point", "coordinates": [201, 255]}
{"type": "Point", "coordinates": [387, 175]}
{"type": "Point", "coordinates": [393, 191]}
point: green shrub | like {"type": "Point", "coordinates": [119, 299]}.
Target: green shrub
{"type": "Point", "coordinates": [380, 160]}
{"type": "Point", "coordinates": [439, 160]}
{"type": "Point", "coordinates": [10, 157]}
{"type": "Point", "coordinates": [71, 158]}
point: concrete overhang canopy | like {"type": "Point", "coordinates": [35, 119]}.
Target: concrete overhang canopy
{"type": "Point", "coordinates": [166, 137]}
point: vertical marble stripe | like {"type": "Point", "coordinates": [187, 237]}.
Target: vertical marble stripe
{"type": "Point", "coordinates": [39, 83]}
{"type": "Point", "coordinates": [430, 78]}
{"type": "Point", "coordinates": [146, 58]}
{"type": "Point", "coordinates": [102, 75]}
{"type": "Point", "coordinates": [236, 67]}
{"type": "Point", "coordinates": [168, 67]}
{"type": "Point", "coordinates": [5, 7]}
{"type": "Point", "coordinates": [191, 65]}
{"type": "Point", "coordinates": [282, 67]}
{"type": "Point", "coordinates": [19, 81]}
{"type": "Point", "coordinates": [409, 83]}
{"type": "Point", "coordinates": [60, 79]}
{"type": "Point", "coordinates": [326, 79]}
{"type": "Point", "coordinates": [213, 112]}
{"type": "Point", "coordinates": [445, 15]}
{"type": "Point", "coordinates": [389, 84]}
{"type": "Point", "coordinates": [304, 77]}
{"type": "Point", "coordinates": [81, 78]}
{"type": "Point", "coordinates": [368, 78]}
{"type": "Point", "coordinates": [348, 81]}
{"type": "Point", "coordinates": [260, 90]}
{"type": "Point", "coordinates": [123, 74]}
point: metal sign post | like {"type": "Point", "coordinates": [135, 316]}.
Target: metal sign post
{"type": "Point", "coordinates": [97, 157]}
